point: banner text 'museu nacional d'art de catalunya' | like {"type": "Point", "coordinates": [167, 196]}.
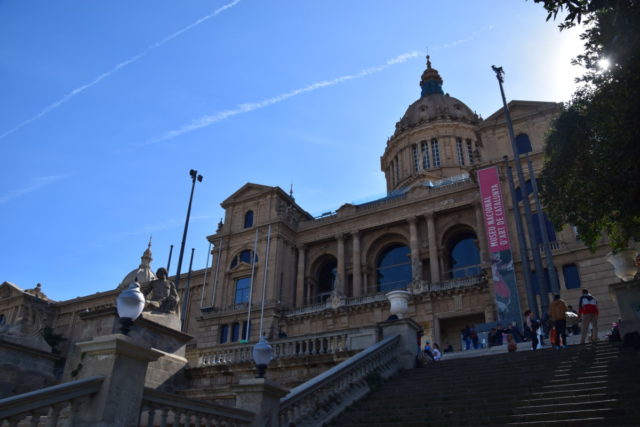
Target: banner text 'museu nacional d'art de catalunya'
{"type": "Point", "coordinates": [495, 222]}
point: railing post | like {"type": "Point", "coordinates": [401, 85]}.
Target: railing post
{"type": "Point", "coordinates": [408, 346]}
{"type": "Point", "coordinates": [123, 363]}
{"type": "Point", "coordinates": [261, 396]}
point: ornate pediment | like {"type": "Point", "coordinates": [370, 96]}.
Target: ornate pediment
{"type": "Point", "coordinates": [8, 290]}
{"type": "Point", "coordinates": [247, 192]}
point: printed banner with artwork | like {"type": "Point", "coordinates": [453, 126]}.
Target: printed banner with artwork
{"type": "Point", "coordinates": [495, 221]}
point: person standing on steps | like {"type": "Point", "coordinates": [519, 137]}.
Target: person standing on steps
{"type": "Point", "coordinates": [558, 313]}
{"type": "Point", "coordinates": [588, 311]}
{"type": "Point", "coordinates": [532, 325]}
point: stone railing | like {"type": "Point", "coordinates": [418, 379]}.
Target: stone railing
{"type": "Point", "coordinates": [165, 409]}
{"type": "Point", "coordinates": [317, 401]}
{"type": "Point", "coordinates": [456, 283]}
{"type": "Point", "coordinates": [282, 348]}
{"type": "Point", "coordinates": [46, 405]}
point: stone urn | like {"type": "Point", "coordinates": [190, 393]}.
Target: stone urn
{"type": "Point", "coordinates": [624, 263]}
{"type": "Point", "coordinates": [399, 300]}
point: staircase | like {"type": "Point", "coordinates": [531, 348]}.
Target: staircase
{"type": "Point", "coordinates": [583, 385]}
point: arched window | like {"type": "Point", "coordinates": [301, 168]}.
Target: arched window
{"type": "Point", "coordinates": [393, 270]}
{"type": "Point", "coordinates": [248, 219]}
{"type": "Point", "coordinates": [326, 278]}
{"type": "Point", "coordinates": [435, 152]}
{"type": "Point", "coordinates": [426, 164]}
{"type": "Point", "coordinates": [464, 256]}
{"type": "Point", "coordinates": [460, 151]}
{"type": "Point", "coordinates": [416, 159]}
{"type": "Point", "coordinates": [244, 256]}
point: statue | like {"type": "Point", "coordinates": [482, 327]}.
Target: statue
{"type": "Point", "coordinates": [37, 292]}
{"type": "Point", "coordinates": [161, 294]}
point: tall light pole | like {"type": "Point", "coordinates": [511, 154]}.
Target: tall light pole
{"type": "Point", "coordinates": [535, 250]}
{"type": "Point", "coordinates": [194, 176]}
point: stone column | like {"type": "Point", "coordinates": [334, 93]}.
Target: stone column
{"type": "Point", "coordinates": [340, 280]}
{"type": "Point", "coordinates": [300, 279]}
{"type": "Point", "coordinates": [357, 273]}
{"type": "Point", "coordinates": [261, 396]}
{"type": "Point", "coordinates": [433, 249]}
{"type": "Point", "coordinates": [482, 240]}
{"type": "Point", "coordinates": [123, 363]}
{"type": "Point", "coordinates": [416, 263]}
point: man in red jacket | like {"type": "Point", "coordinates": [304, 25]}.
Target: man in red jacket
{"type": "Point", "coordinates": [588, 312]}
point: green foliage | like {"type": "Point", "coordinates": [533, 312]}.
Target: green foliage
{"type": "Point", "coordinates": [592, 159]}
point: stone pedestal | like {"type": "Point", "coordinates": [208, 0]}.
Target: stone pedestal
{"type": "Point", "coordinates": [261, 396]}
{"type": "Point", "coordinates": [123, 363]}
{"type": "Point", "coordinates": [149, 330]}
{"type": "Point", "coordinates": [627, 297]}
{"type": "Point", "coordinates": [409, 347]}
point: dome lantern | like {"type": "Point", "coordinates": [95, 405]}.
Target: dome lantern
{"type": "Point", "coordinates": [431, 82]}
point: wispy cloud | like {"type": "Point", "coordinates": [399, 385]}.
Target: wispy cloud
{"type": "Point", "coordinates": [34, 185]}
{"type": "Point", "coordinates": [248, 107]}
{"type": "Point", "coordinates": [115, 69]}
{"type": "Point", "coordinates": [252, 106]}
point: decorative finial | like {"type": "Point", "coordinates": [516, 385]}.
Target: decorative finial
{"type": "Point", "coordinates": [291, 191]}
{"type": "Point", "coordinates": [149, 245]}
{"type": "Point", "coordinates": [428, 62]}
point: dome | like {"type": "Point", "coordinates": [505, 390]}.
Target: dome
{"type": "Point", "coordinates": [434, 104]}
{"type": "Point", "coordinates": [143, 273]}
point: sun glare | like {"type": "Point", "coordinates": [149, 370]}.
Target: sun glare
{"type": "Point", "coordinates": [604, 64]}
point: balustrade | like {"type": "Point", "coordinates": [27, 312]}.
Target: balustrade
{"type": "Point", "coordinates": [165, 409]}
{"type": "Point", "coordinates": [49, 405]}
{"type": "Point", "coordinates": [318, 400]}
{"type": "Point", "coordinates": [283, 347]}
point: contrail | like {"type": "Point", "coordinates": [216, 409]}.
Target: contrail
{"type": "Point", "coordinates": [245, 108]}
{"type": "Point", "coordinates": [34, 185]}
{"type": "Point", "coordinates": [121, 65]}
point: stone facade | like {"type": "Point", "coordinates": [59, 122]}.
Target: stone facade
{"type": "Point", "coordinates": [324, 278]}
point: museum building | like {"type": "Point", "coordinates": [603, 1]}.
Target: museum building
{"type": "Point", "coordinates": [316, 286]}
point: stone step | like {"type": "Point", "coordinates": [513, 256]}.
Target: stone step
{"type": "Point", "coordinates": [568, 406]}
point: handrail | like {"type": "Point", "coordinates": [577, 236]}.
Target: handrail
{"type": "Point", "coordinates": [27, 403]}
{"type": "Point", "coordinates": [318, 400]}
{"type": "Point", "coordinates": [178, 406]}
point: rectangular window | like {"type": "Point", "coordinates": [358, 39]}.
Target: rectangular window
{"type": "Point", "coordinates": [426, 164]}
{"type": "Point", "coordinates": [470, 151]}
{"type": "Point", "coordinates": [460, 151]}
{"type": "Point", "coordinates": [244, 330]}
{"type": "Point", "coordinates": [224, 333]}
{"type": "Point", "coordinates": [435, 153]}
{"type": "Point", "coordinates": [416, 160]}
{"type": "Point", "coordinates": [235, 332]}
{"type": "Point", "coordinates": [571, 276]}
{"type": "Point", "coordinates": [242, 290]}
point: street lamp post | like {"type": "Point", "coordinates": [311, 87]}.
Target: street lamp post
{"type": "Point", "coordinates": [537, 261]}
{"type": "Point", "coordinates": [194, 176]}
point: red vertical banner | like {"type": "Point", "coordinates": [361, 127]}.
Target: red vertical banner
{"type": "Point", "coordinates": [495, 223]}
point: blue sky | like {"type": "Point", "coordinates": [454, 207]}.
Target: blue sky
{"type": "Point", "coordinates": [106, 105]}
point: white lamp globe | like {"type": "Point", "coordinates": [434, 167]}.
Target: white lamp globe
{"type": "Point", "coordinates": [262, 355]}
{"type": "Point", "coordinates": [130, 304]}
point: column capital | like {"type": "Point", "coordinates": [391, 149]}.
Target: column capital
{"type": "Point", "coordinates": [339, 236]}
